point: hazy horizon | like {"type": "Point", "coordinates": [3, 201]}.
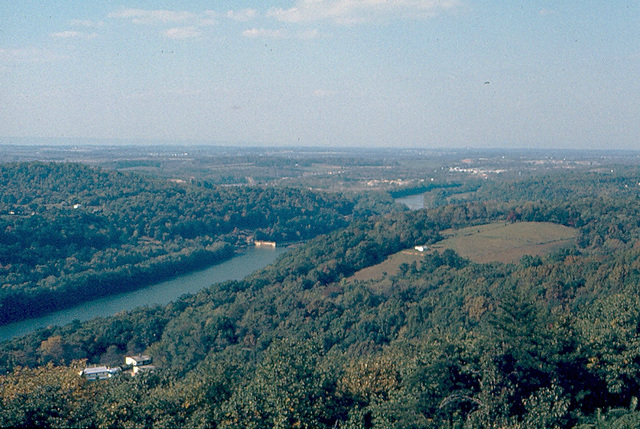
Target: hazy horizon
{"type": "Point", "coordinates": [70, 143]}
{"type": "Point", "coordinates": [430, 74]}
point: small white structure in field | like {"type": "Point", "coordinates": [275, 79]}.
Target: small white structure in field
{"type": "Point", "coordinates": [421, 248]}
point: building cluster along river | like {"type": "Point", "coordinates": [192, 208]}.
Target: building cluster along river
{"type": "Point", "coordinates": [235, 268]}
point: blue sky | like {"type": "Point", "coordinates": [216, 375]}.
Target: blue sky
{"type": "Point", "coordinates": [380, 73]}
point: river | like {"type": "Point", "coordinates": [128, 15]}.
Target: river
{"type": "Point", "coordinates": [162, 293]}
{"type": "Point", "coordinates": [414, 202]}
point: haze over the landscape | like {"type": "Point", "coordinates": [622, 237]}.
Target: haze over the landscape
{"type": "Point", "coordinates": [406, 73]}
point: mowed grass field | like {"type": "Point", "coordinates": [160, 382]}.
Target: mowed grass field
{"type": "Point", "coordinates": [495, 242]}
{"type": "Point", "coordinates": [507, 242]}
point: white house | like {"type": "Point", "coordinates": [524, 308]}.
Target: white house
{"type": "Point", "coordinates": [140, 364]}
{"type": "Point", "coordinates": [139, 360]}
{"type": "Point", "coordinates": [142, 368]}
{"type": "Point", "coordinates": [99, 372]}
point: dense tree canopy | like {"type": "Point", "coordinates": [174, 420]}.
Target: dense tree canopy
{"type": "Point", "coordinates": [69, 232]}
{"type": "Point", "coordinates": [550, 341]}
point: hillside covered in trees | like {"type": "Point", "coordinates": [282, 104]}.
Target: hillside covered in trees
{"type": "Point", "coordinates": [550, 341]}
{"type": "Point", "coordinates": [70, 233]}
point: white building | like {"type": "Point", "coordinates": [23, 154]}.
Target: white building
{"type": "Point", "coordinates": [99, 372]}
{"type": "Point", "coordinates": [139, 364]}
{"type": "Point", "coordinates": [143, 368]}
{"type": "Point", "coordinates": [139, 360]}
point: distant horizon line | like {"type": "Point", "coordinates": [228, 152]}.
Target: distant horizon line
{"type": "Point", "coordinates": [143, 142]}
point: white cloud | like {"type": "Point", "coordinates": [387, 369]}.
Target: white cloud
{"type": "Point", "coordinates": [28, 55]}
{"type": "Point", "coordinates": [209, 18]}
{"type": "Point", "coordinates": [242, 15]}
{"type": "Point", "coordinates": [143, 16]}
{"type": "Point", "coordinates": [160, 17]}
{"type": "Point", "coordinates": [181, 33]}
{"type": "Point", "coordinates": [358, 11]}
{"type": "Point", "coordinates": [87, 23]}
{"type": "Point", "coordinates": [309, 34]}
{"type": "Point", "coordinates": [74, 35]}
{"type": "Point", "coordinates": [265, 33]}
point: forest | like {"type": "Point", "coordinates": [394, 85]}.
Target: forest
{"type": "Point", "coordinates": [550, 341]}
{"type": "Point", "coordinates": [70, 233]}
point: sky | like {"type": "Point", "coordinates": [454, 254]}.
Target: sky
{"type": "Point", "coordinates": [334, 73]}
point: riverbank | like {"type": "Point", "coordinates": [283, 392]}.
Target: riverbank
{"type": "Point", "coordinates": [237, 267]}
{"type": "Point", "coordinates": [89, 285]}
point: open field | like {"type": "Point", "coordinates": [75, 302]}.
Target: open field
{"type": "Point", "coordinates": [506, 242]}
{"type": "Point", "coordinates": [389, 266]}
{"type": "Point", "coordinates": [495, 242]}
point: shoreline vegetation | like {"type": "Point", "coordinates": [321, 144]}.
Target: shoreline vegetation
{"type": "Point", "coordinates": [87, 286]}
{"type": "Point", "coordinates": [71, 233]}
{"type": "Point", "coordinates": [515, 306]}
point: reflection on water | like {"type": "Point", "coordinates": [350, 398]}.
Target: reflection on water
{"type": "Point", "coordinates": [161, 293]}
{"type": "Point", "coordinates": [414, 202]}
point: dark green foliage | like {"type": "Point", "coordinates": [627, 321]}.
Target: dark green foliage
{"type": "Point", "coordinates": [70, 233]}
{"type": "Point", "coordinates": [549, 342]}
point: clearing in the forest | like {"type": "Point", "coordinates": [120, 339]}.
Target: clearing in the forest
{"type": "Point", "coordinates": [495, 242]}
